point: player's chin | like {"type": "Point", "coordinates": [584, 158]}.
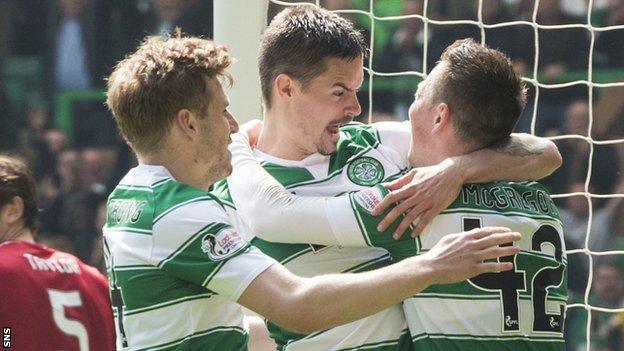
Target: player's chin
{"type": "Point", "coordinates": [227, 164]}
{"type": "Point", "coordinates": [328, 147]}
{"type": "Point", "coordinates": [226, 170]}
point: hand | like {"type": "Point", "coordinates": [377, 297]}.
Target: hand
{"type": "Point", "coordinates": [424, 192]}
{"type": "Point", "coordinates": [457, 257]}
{"type": "Point", "coordinates": [253, 129]}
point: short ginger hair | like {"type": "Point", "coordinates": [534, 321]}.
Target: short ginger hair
{"type": "Point", "coordinates": [163, 76]}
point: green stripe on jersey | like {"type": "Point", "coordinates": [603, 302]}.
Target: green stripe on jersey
{"type": "Point", "coordinates": [283, 253]}
{"type": "Point", "coordinates": [130, 209]}
{"type": "Point", "coordinates": [437, 342]}
{"type": "Point", "coordinates": [360, 137]}
{"type": "Point", "coordinates": [217, 339]}
{"type": "Point", "coordinates": [145, 289]}
{"type": "Point", "coordinates": [191, 263]}
{"type": "Point", "coordinates": [288, 176]}
{"type": "Point", "coordinates": [172, 194]}
{"type": "Point", "coordinates": [221, 191]}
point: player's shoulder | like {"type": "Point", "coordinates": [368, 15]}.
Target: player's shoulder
{"type": "Point", "coordinates": [152, 190]}
{"type": "Point", "coordinates": [221, 192]}
{"type": "Point", "coordinates": [396, 135]}
{"type": "Point", "coordinates": [360, 133]}
{"type": "Point", "coordinates": [34, 257]}
{"type": "Point", "coordinates": [523, 198]}
{"type": "Point", "coordinates": [12, 253]}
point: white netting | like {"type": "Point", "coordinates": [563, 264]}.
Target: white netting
{"type": "Point", "coordinates": [532, 80]}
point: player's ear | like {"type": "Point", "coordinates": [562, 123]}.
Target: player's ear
{"type": "Point", "coordinates": [442, 117]}
{"type": "Point", "coordinates": [284, 86]}
{"type": "Point", "coordinates": [186, 121]}
{"type": "Point", "coordinates": [12, 211]}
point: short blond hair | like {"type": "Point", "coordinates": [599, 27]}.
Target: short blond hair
{"type": "Point", "coordinates": [164, 75]}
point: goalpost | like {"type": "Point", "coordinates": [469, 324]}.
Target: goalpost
{"type": "Point", "coordinates": [239, 24]}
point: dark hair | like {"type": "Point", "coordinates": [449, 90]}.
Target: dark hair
{"type": "Point", "coordinates": [17, 180]}
{"type": "Point", "coordinates": [299, 39]}
{"type": "Point", "coordinates": [148, 88]}
{"type": "Point", "coordinates": [482, 90]}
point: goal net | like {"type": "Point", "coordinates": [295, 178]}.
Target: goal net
{"type": "Point", "coordinates": [571, 56]}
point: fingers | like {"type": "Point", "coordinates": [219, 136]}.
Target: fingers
{"type": "Point", "coordinates": [401, 181]}
{"type": "Point", "coordinates": [410, 217]}
{"type": "Point", "coordinates": [498, 238]}
{"type": "Point", "coordinates": [498, 251]}
{"type": "Point", "coordinates": [423, 222]}
{"type": "Point", "coordinates": [479, 233]}
{"type": "Point", "coordinates": [395, 193]}
{"type": "Point", "coordinates": [398, 210]}
{"type": "Point", "coordinates": [493, 267]}
{"type": "Point", "coordinates": [389, 200]}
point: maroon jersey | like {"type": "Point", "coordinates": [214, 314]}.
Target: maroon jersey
{"type": "Point", "coordinates": [50, 300]}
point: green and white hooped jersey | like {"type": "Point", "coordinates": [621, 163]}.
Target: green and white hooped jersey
{"type": "Point", "coordinates": [366, 156]}
{"type": "Point", "coordinates": [522, 309]}
{"type": "Point", "coordinates": [176, 267]}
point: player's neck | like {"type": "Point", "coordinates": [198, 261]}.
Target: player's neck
{"type": "Point", "coordinates": [20, 233]}
{"type": "Point", "coordinates": [449, 148]}
{"type": "Point", "coordinates": [278, 140]}
{"type": "Point", "coordinates": [181, 166]}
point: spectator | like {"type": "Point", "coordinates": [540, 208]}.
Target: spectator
{"type": "Point", "coordinates": [610, 44]}
{"type": "Point", "coordinates": [403, 52]}
{"type": "Point", "coordinates": [575, 217]}
{"type": "Point", "coordinates": [192, 17]}
{"type": "Point", "coordinates": [96, 258]}
{"type": "Point", "coordinates": [31, 141]}
{"type": "Point", "coordinates": [606, 328]}
{"type": "Point", "coordinates": [53, 300]}
{"type": "Point", "coordinates": [560, 52]}
{"type": "Point", "coordinates": [73, 46]}
{"type": "Point", "coordinates": [575, 153]}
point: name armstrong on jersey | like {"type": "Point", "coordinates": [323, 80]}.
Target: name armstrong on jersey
{"type": "Point", "coordinates": [501, 197]}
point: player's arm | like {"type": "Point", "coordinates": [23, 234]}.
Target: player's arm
{"type": "Point", "coordinates": [424, 192]}
{"type": "Point", "coordinates": [310, 304]}
{"type": "Point", "coordinates": [276, 215]}
{"type": "Point", "coordinates": [271, 212]}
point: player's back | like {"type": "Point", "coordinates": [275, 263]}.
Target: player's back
{"type": "Point", "coordinates": [52, 301]}
{"type": "Point", "coordinates": [522, 309]}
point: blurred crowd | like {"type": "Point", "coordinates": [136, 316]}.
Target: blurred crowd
{"type": "Point", "coordinates": [53, 49]}
{"type": "Point", "coordinates": [50, 49]}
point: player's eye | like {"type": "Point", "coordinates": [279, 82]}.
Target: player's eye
{"type": "Point", "coordinates": [339, 93]}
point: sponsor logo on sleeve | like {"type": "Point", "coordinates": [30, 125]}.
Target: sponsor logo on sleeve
{"type": "Point", "coordinates": [225, 243]}
{"type": "Point", "coordinates": [368, 198]}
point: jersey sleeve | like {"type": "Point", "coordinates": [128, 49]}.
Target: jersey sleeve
{"type": "Point", "coordinates": [268, 209]}
{"type": "Point", "coordinates": [352, 221]}
{"type": "Point", "coordinates": [196, 243]}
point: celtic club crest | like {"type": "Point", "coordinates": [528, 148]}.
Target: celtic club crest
{"type": "Point", "coordinates": [365, 171]}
